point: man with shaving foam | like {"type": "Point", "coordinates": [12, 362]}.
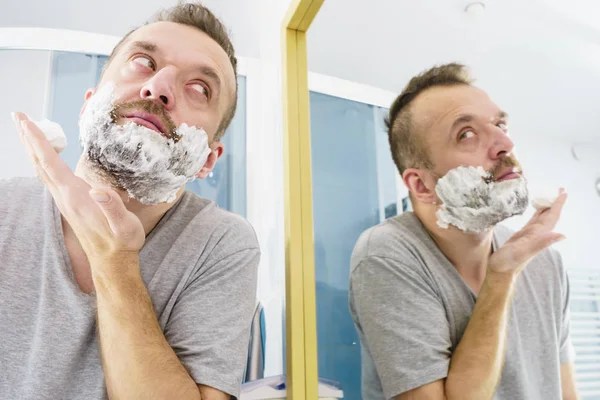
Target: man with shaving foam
{"type": "Point", "coordinates": [449, 305]}
{"type": "Point", "coordinates": [115, 282]}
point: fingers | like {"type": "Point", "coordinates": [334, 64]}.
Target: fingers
{"type": "Point", "coordinates": [18, 119]}
{"type": "Point", "coordinates": [113, 208]}
{"type": "Point", "coordinates": [51, 169]}
{"type": "Point", "coordinates": [550, 216]}
{"type": "Point", "coordinates": [546, 240]}
{"type": "Point", "coordinates": [534, 219]}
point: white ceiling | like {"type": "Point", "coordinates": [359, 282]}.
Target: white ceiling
{"type": "Point", "coordinates": [585, 12]}
{"type": "Point", "coordinates": [540, 60]}
{"type": "Point", "coordinates": [411, 35]}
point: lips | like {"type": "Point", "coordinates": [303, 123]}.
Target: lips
{"type": "Point", "coordinates": [508, 174]}
{"type": "Point", "coordinates": [148, 120]}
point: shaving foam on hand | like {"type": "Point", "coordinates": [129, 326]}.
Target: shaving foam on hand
{"type": "Point", "coordinates": [54, 133]}
{"type": "Point", "coordinates": [544, 200]}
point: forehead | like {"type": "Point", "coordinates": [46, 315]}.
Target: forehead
{"type": "Point", "coordinates": [438, 107]}
{"type": "Point", "coordinates": [184, 45]}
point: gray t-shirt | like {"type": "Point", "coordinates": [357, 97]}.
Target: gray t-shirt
{"type": "Point", "coordinates": [411, 307]}
{"type": "Point", "coordinates": [199, 265]}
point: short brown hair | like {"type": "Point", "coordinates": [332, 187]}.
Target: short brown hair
{"type": "Point", "coordinates": [199, 17]}
{"type": "Point", "coordinates": [409, 150]}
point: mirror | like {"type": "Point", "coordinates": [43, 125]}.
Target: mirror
{"type": "Point", "coordinates": [536, 61]}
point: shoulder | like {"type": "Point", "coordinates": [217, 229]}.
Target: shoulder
{"type": "Point", "coordinates": [399, 243]}
{"type": "Point", "coordinates": [222, 227]}
{"type": "Point", "coordinates": [393, 237]}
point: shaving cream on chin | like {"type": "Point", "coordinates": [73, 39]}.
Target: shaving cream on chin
{"type": "Point", "coordinates": [473, 204]}
{"type": "Point", "coordinates": [150, 167]}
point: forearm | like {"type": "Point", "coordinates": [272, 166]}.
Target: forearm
{"type": "Point", "coordinates": [137, 360]}
{"type": "Point", "coordinates": [567, 382]}
{"type": "Point", "coordinates": [477, 362]}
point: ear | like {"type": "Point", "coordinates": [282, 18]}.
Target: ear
{"type": "Point", "coordinates": [421, 184]}
{"type": "Point", "coordinates": [216, 151]}
{"type": "Point", "coordinates": [88, 94]}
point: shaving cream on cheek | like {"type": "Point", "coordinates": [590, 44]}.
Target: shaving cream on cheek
{"type": "Point", "coordinates": [148, 165]}
{"type": "Point", "coordinates": [473, 204]}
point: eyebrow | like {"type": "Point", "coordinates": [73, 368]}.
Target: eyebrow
{"type": "Point", "coordinates": [466, 118]}
{"type": "Point", "coordinates": [463, 119]}
{"type": "Point", "coordinates": [149, 47]}
{"type": "Point", "coordinates": [502, 115]}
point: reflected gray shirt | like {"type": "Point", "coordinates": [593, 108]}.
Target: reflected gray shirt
{"type": "Point", "coordinates": [411, 307]}
{"type": "Point", "coordinates": [199, 264]}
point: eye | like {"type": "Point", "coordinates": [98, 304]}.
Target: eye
{"type": "Point", "coordinates": [145, 62]}
{"type": "Point", "coordinates": [199, 88]}
{"type": "Point", "coordinates": [503, 126]}
{"type": "Point", "coordinates": [466, 135]}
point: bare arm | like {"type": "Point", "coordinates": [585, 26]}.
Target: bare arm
{"type": "Point", "coordinates": [431, 391]}
{"type": "Point", "coordinates": [209, 393]}
{"type": "Point", "coordinates": [132, 343]}
{"type": "Point", "coordinates": [476, 364]}
{"type": "Point", "coordinates": [567, 382]}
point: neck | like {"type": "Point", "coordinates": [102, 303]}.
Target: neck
{"type": "Point", "coordinates": [469, 253]}
{"type": "Point", "coordinates": [149, 215]}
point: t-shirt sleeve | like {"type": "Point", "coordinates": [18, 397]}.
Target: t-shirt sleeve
{"type": "Point", "coordinates": [403, 322]}
{"type": "Point", "coordinates": [566, 350]}
{"type": "Point", "coordinates": [209, 326]}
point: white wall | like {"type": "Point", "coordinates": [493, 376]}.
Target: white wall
{"type": "Point", "coordinates": [23, 81]}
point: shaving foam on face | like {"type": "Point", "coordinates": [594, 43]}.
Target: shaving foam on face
{"type": "Point", "coordinates": [473, 204]}
{"type": "Point", "coordinates": [148, 165]}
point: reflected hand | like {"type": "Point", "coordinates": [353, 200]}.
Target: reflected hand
{"type": "Point", "coordinates": [524, 245]}
{"type": "Point", "coordinates": [100, 220]}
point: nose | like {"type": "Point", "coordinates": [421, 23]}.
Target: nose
{"type": "Point", "coordinates": [161, 88]}
{"type": "Point", "coordinates": [502, 145]}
